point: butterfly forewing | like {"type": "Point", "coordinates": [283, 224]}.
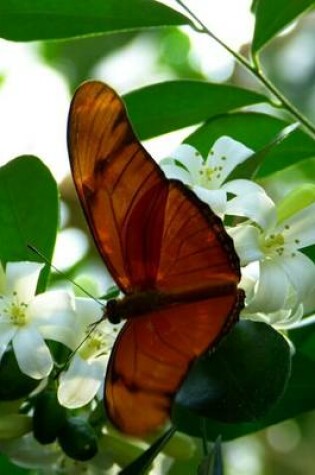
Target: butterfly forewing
{"type": "Point", "coordinates": [196, 251]}
{"type": "Point", "coordinates": [122, 190]}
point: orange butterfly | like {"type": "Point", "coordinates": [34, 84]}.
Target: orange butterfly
{"type": "Point", "coordinates": [167, 251]}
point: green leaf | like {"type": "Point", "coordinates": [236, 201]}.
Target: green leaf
{"type": "Point", "coordinates": [24, 20]}
{"type": "Point", "coordinates": [229, 385]}
{"type": "Point", "coordinates": [163, 107]}
{"type": "Point", "coordinates": [142, 463]}
{"type": "Point", "coordinates": [298, 398]}
{"type": "Point", "coordinates": [28, 210]}
{"type": "Point", "coordinates": [272, 17]}
{"type": "Point", "coordinates": [6, 467]}
{"type": "Point", "coordinates": [13, 383]}
{"type": "Point", "coordinates": [251, 167]}
{"type": "Point", "coordinates": [212, 464]}
{"type": "Point", "coordinates": [256, 130]}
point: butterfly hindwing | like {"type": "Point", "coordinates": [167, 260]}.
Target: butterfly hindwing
{"type": "Point", "coordinates": [152, 356]}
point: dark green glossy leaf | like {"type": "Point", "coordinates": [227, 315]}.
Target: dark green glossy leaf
{"type": "Point", "coordinates": [142, 463]}
{"type": "Point", "coordinates": [28, 210]}
{"type": "Point", "coordinates": [163, 107]}
{"type": "Point", "coordinates": [212, 464]}
{"type": "Point", "coordinates": [299, 396]}
{"type": "Point", "coordinates": [13, 383]}
{"type": "Point", "coordinates": [24, 20]}
{"type": "Point", "coordinates": [229, 385]}
{"type": "Point", "coordinates": [256, 130]}
{"type": "Point", "coordinates": [272, 17]}
{"type": "Point", "coordinates": [8, 468]}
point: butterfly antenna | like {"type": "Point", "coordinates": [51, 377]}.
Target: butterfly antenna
{"type": "Point", "coordinates": [44, 258]}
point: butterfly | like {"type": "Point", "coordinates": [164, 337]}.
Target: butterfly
{"type": "Point", "coordinates": [167, 251]}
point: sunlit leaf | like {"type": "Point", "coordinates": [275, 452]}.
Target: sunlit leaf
{"type": "Point", "coordinates": [272, 16]}
{"type": "Point", "coordinates": [163, 107]}
{"type": "Point", "coordinates": [24, 20]}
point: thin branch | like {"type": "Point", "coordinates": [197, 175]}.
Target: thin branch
{"type": "Point", "coordinates": [253, 69]}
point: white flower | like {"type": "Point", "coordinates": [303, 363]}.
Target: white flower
{"type": "Point", "coordinates": [86, 372]}
{"type": "Point", "coordinates": [208, 177]}
{"type": "Point", "coordinates": [26, 319]}
{"type": "Point", "coordinates": [282, 267]}
{"type": "Point", "coordinates": [285, 318]}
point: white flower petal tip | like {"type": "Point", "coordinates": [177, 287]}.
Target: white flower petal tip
{"type": "Point", "coordinates": [80, 384]}
{"type": "Point", "coordinates": [32, 353]}
{"type": "Point", "coordinates": [22, 278]}
{"type": "Point", "coordinates": [225, 155]}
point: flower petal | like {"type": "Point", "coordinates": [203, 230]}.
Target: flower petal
{"type": "Point", "coordinates": [22, 278]}
{"type": "Point", "coordinates": [7, 332]}
{"type": "Point", "coordinates": [172, 170]}
{"type": "Point", "coordinates": [53, 314]}
{"type": "Point", "coordinates": [81, 382]}
{"type": "Point", "coordinates": [256, 206]}
{"type": "Point", "coordinates": [88, 311]}
{"type": "Point", "coordinates": [190, 158]}
{"type": "Point", "coordinates": [299, 230]}
{"type": "Point", "coordinates": [28, 453]}
{"type": "Point", "coordinates": [57, 305]}
{"type": "Point", "coordinates": [246, 242]}
{"type": "Point", "coordinates": [272, 290]}
{"type": "Point", "coordinates": [32, 353]}
{"type": "Point", "coordinates": [300, 271]}
{"type": "Point", "coordinates": [242, 187]}
{"type": "Point", "coordinates": [226, 154]}
{"type": "Point", "coordinates": [216, 199]}
{"type": "Point", "coordinates": [292, 321]}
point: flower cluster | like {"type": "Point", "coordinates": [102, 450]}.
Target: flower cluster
{"type": "Point", "coordinates": [28, 321]}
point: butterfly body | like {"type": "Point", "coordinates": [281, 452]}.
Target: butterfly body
{"type": "Point", "coordinates": [139, 303]}
{"type": "Point", "coordinates": [167, 251]}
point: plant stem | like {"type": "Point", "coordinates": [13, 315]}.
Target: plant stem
{"type": "Point", "coordinates": [204, 437]}
{"type": "Point", "coordinates": [255, 70]}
